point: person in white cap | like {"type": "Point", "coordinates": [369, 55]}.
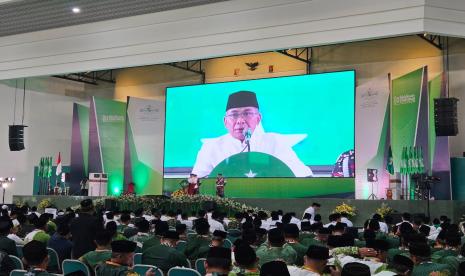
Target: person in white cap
{"type": "Point", "coordinates": [14, 231]}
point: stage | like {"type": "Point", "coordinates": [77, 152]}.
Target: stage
{"type": "Point", "coordinates": [365, 208]}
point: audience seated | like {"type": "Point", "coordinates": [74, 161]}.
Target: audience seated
{"type": "Point", "coordinates": [263, 244]}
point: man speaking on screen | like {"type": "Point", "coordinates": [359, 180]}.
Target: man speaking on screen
{"type": "Point", "coordinates": [246, 134]}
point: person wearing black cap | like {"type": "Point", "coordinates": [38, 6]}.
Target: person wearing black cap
{"type": "Point", "coordinates": [274, 268]}
{"type": "Point", "coordinates": [40, 231]}
{"type": "Point", "coordinates": [421, 256]}
{"type": "Point", "coordinates": [276, 249]}
{"type": "Point", "coordinates": [246, 261]}
{"type": "Point", "coordinates": [83, 229]}
{"type": "Point", "coordinates": [320, 239]}
{"type": "Point", "coordinates": [245, 132]}
{"type": "Point", "coordinates": [218, 238]}
{"type": "Point", "coordinates": [218, 261]}
{"type": "Point", "coordinates": [291, 234]}
{"type": "Point", "coordinates": [197, 244]}
{"type": "Point", "coordinates": [315, 261]}
{"type": "Point", "coordinates": [102, 253]}
{"type": "Point", "coordinates": [35, 257]}
{"type": "Point", "coordinates": [143, 227]}
{"type": "Point", "coordinates": [121, 260]}
{"type": "Point", "coordinates": [160, 228]}
{"type": "Point", "coordinates": [165, 255]}
{"type": "Point", "coordinates": [355, 269]}
{"type": "Point", "coordinates": [400, 265]}
{"type": "Point", "coordinates": [7, 245]}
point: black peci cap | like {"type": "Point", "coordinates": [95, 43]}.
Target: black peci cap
{"type": "Point", "coordinates": [242, 99]}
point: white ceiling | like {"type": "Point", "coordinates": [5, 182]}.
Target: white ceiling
{"type": "Point", "coordinates": [23, 16]}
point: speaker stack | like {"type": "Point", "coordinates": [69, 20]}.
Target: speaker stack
{"type": "Point", "coordinates": [445, 116]}
{"type": "Point", "coordinates": [16, 137]}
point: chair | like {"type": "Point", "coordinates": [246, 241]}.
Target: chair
{"type": "Point", "coordinates": [227, 244]}
{"type": "Point", "coordinates": [181, 271]}
{"type": "Point", "coordinates": [141, 269]}
{"type": "Point", "coordinates": [17, 261]}
{"type": "Point", "coordinates": [19, 248]}
{"type": "Point", "coordinates": [181, 246]}
{"type": "Point", "coordinates": [200, 266]}
{"type": "Point", "coordinates": [53, 260]}
{"type": "Point", "coordinates": [137, 258]}
{"type": "Point", "coordinates": [18, 272]}
{"type": "Point", "coordinates": [70, 266]}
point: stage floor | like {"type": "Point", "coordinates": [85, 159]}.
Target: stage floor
{"type": "Point", "coordinates": [365, 208]}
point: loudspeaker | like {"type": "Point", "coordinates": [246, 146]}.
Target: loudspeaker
{"type": "Point", "coordinates": [372, 175]}
{"type": "Point", "coordinates": [16, 137]}
{"type": "Point", "coordinates": [445, 116]}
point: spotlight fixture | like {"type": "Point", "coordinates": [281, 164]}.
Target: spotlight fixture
{"type": "Point", "coordinates": [76, 10]}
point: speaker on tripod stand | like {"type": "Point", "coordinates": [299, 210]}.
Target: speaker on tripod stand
{"type": "Point", "coordinates": [372, 177]}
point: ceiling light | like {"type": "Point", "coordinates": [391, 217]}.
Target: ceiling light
{"type": "Point", "coordinates": [76, 10]}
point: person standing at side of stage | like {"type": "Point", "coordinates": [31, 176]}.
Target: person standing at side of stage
{"type": "Point", "coordinates": [220, 184]}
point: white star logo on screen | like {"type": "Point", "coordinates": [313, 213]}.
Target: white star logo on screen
{"type": "Point", "coordinates": [250, 174]}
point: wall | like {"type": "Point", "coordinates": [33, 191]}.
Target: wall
{"type": "Point", "coordinates": [48, 118]}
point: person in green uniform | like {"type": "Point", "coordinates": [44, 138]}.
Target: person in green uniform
{"type": "Point", "coordinates": [101, 254]}
{"type": "Point", "coordinates": [291, 235]}
{"type": "Point", "coordinates": [218, 261]}
{"type": "Point", "coordinates": [452, 248]}
{"type": "Point", "coordinates": [124, 226]}
{"type": "Point", "coordinates": [121, 260]}
{"type": "Point", "coordinates": [218, 238]}
{"type": "Point", "coordinates": [421, 257]}
{"type": "Point", "coordinates": [320, 239]}
{"type": "Point", "coordinates": [35, 256]}
{"type": "Point", "coordinates": [7, 245]}
{"type": "Point", "coordinates": [165, 255]}
{"type": "Point", "coordinates": [160, 228]}
{"type": "Point", "coordinates": [198, 245]}
{"type": "Point", "coordinates": [143, 228]}
{"type": "Point", "coordinates": [39, 233]}
{"type": "Point", "coordinates": [401, 265]}
{"type": "Point", "coordinates": [276, 249]}
{"type": "Point", "coordinates": [112, 228]}
{"type": "Point", "coordinates": [315, 260]}
{"type": "Point", "coordinates": [246, 261]}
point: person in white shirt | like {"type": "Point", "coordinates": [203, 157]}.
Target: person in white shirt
{"type": "Point", "coordinates": [333, 219]}
{"type": "Point", "coordinates": [13, 233]}
{"type": "Point", "coordinates": [245, 132]}
{"type": "Point", "coordinates": [214, 222]}
{"type": "Point", "coordinates": [406, 217]}
{"type": "Point", "coordinates": [312, 209]}
{"type": "Point", "coordinates": [344, 219]}
{"type": "Point", "coordinates": [383, 227]}
{"type": "Point", "coordinates": [185, 220]}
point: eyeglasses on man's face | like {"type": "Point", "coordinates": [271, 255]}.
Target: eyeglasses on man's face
{"type": "Point", "coordinates": [245, 115]}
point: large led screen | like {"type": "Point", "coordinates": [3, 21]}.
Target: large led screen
{"type": "Point", "coordinates": [297, 126]}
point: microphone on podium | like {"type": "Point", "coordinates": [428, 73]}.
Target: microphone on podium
{"type": "Point", "coordinates": [247, 135]}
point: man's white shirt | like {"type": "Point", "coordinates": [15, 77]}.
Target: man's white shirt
{"type": "Point", "coordinates": [215, 150]}
{"type": "Point", "coordinates": [347, 222]}
{"type": "Point", "coordinates": [215, 225]}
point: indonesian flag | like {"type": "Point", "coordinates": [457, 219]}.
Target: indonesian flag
{"type": "Point", "coordinates": [58, 171]}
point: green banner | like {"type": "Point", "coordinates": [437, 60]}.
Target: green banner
{"type": "Point", "coordinates": [406, 91]}
{"type": "Point", "coordinates": [111, 119]}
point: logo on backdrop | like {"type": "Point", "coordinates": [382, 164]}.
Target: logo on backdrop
{"type": "Point", "coordinates": [404, 99]}
{"type": "Point", "coordinates": [149, 108]}
{"type": "Point", "coordinates": [148, 113]}
{"type": "Point", "coordinates": [112, 118]}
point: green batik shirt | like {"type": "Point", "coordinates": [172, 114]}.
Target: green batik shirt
{"type": "Point", "coordinates": [163, 257]}
{"type": "Point", "coordinates": [236, 271]}
{"type": "Point", "coordinates": [140, 238]}
{"type": "Point", "coordinates": [111, 269]}
{"type": "Point", "coordinates": [438, 255]}
{"type": "Point", "coordinates": [285, 253]}
{"type": "Point", "coordinates": [312, 241]}
{"type": "Point", "coordinates": [426, 268]}
{"type": "Point", "coordinates": [301, 250]}
{"type": "Point", "coordinates": [396, 251]}
{"type": "Point", "coordinates": [152, 241]}
{"type": "Point", "coordinates": [347, 251]}
{"type": "Point", "coordinates": [197, 247]}
{"type": "Point", "coordinates": [93, 258]}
